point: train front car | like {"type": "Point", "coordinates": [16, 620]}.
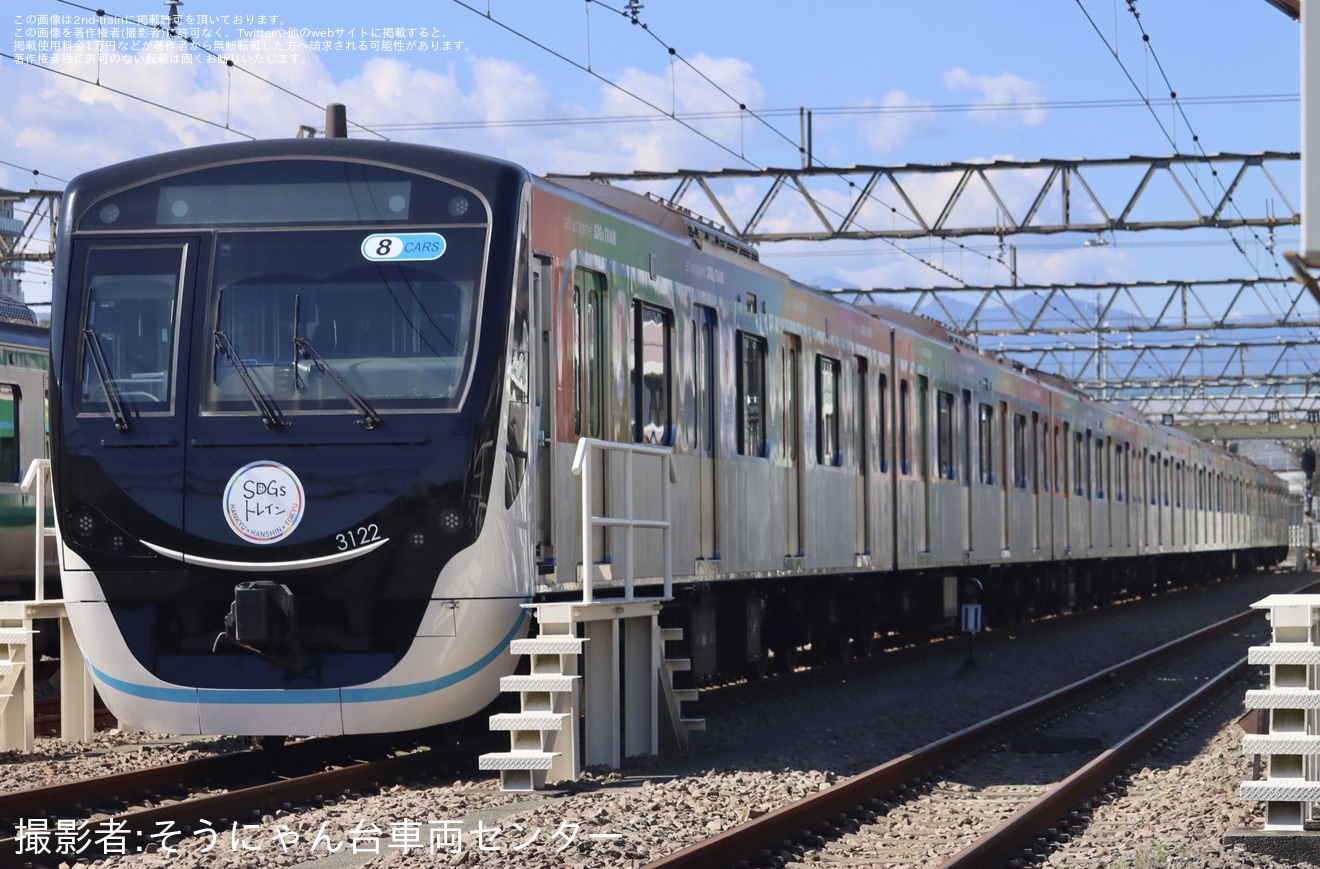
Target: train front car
{"type": "Point", "coordinates": [287, 462]}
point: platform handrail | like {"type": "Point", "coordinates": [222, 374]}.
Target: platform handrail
{"type": "Point", "coordinates": [38, 472]}
{"type": "Point", "coordinates": [590, 521]}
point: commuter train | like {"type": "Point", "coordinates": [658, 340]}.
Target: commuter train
{"type": "Point", "coordinates": [315, 404]}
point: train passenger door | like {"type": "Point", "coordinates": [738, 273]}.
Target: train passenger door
{"type": "Point", "coordinates": [790, 354]}
{"type": "Point", "coordinates": [705, 353]}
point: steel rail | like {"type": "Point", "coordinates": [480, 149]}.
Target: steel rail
{"type": "Point", "coordinates": [988, 851]}
{"type": "Point", "coordinates": [769, 830]}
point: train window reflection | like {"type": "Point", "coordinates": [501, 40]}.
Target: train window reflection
{"type": "Point", "coordinates": [399, 335]}
{"type": "Point", "coordinates": [131, 301]}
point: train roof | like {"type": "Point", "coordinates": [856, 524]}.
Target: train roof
{"type": "Point", "coordinates": [674, 219]}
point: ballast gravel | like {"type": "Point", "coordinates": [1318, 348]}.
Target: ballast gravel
{"type": "Point", "coordinates": [754, 757]}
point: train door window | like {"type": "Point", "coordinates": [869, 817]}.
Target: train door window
{"type": "Point", "coordinates": [967, 437]}
{"type": "Point", "coordinates": [1152, 479]}
{"type": "Point", "coordinates": [589, 288]}
{"type": "Point", "coordinates": [985, 437]}
{"type": "Point", "coordinates": [944, 435]}
{"type": "Point", "coordinates": [1067, 468]}
{"type": "Point", "coordinates": [751, 394]}
{"type": "Point", "coordinates": [1120, 473]}
{"type": "Point", "coordinates": [828, 450]}
{"type": "Point", "coordinates": [1164, 482]}
{"type": "Point", "coordinates": [703, 365]}
{"type": "Point", "coordinates": [1081, 465]}
{"type": "Point", "coordinates": [1056, 459]}
{"type": "Point", "coordinates": [1019, 451]}
{"type": "Point", "coordinates": [129, 331]}
{"type": "Point", "coordinates": [1036, 435]}
{"type": "Point", "coordinates": [904, 459]}
{"type": "Point", "coordinates": [653, 329]}
{"type": "Point", "coordinates": [11, 467]}
{"type": "Point", "coordinates": [862, 427]}
{"type": "Point", "coordinates": [1101, 467]}
{"type": "Point", "coordinates": [923, 426]}
{"type": "Point", "coordinates": [790, 381]}
{"type": "Point", "coordinates": [884, 423]}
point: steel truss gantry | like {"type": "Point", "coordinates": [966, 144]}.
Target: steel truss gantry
{"type": "Point", "coordinates": [1203, 352]}
{"type": "Point", "coordinates": [996, 198]}
{"type": "Point", "coordinates": [41, 220]}
{"type": "Point", "coordinates": [1214, 352]}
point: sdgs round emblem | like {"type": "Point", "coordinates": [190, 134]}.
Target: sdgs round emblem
{"type": "Point", "coordinates": [264, 502]}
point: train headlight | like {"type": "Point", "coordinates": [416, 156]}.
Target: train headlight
{"type": "Point", "coordinates": [84, 524]}
{"type": "Point", "coordinates": [451, 520]}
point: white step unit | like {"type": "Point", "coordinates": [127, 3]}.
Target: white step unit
{"type": "Point", "coordinates": [1292, 744]}
{"type": "Point", "coordinates": [543, 734]}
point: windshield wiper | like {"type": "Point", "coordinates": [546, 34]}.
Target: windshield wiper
{"type": "Point", "coordinates": [370, 419]}
{"type": "Point", "coordinates": [107, 381]}
{"type": "Point", "coordinates": [270, 413]}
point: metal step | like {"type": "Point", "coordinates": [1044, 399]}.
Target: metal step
{"type": "Point", "coordinates": [501, 760]}
{"type": "Point", "coordinates": [528, 721]}
{"type": "Point", "coordinates": [548, 645]}
{"type": "Point", "coordinates": [542, 682]}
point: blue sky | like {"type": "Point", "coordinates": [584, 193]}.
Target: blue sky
{"type": "Point", "coordinates": [887, 84]}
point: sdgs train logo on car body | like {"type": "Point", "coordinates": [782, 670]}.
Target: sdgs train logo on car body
{"type": "Point", "coordinates": [264, 502]}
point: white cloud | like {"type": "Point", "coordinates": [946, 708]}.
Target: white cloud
{"type": "Point", "coordinates": [903, 121]}
{"type": "Point", "coordinates": [1005, 89]}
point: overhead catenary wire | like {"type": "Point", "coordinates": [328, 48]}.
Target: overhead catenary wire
{"type": "Point", "coordinates": [130, 96]}
{"type": "Point", "coordinates": [1177, 104]}
{"type": "Point", "coordinates": [657, 109]}
{"type": "Point", "coordinates": [229, 63]}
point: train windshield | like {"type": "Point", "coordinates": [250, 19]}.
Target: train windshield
{"type": "Point", "coordinates": [302, 319]}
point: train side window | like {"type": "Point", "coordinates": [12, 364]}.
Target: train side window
{"type": "Point", "coordinates": [652, 374]}
{"type": "Point", "coordinates": [751, 395]}
{"type": "Point", "coordinates": [884, 423]}
{"type": "Point", "coordinates": [828, 450]}
{"type": "Point", "coordinates": [944, 435]}
{"type": "Point", "coordinates": [904, 458]}
{"type": "Point", "coordinates": [985, 437]}
{"type": "Point", "coordinates": [11, 467]}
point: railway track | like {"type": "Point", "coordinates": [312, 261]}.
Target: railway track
{"type": "Point", "coordinates": [181, 799]}
{"type": "Point", "coordinates": [946, 804]}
